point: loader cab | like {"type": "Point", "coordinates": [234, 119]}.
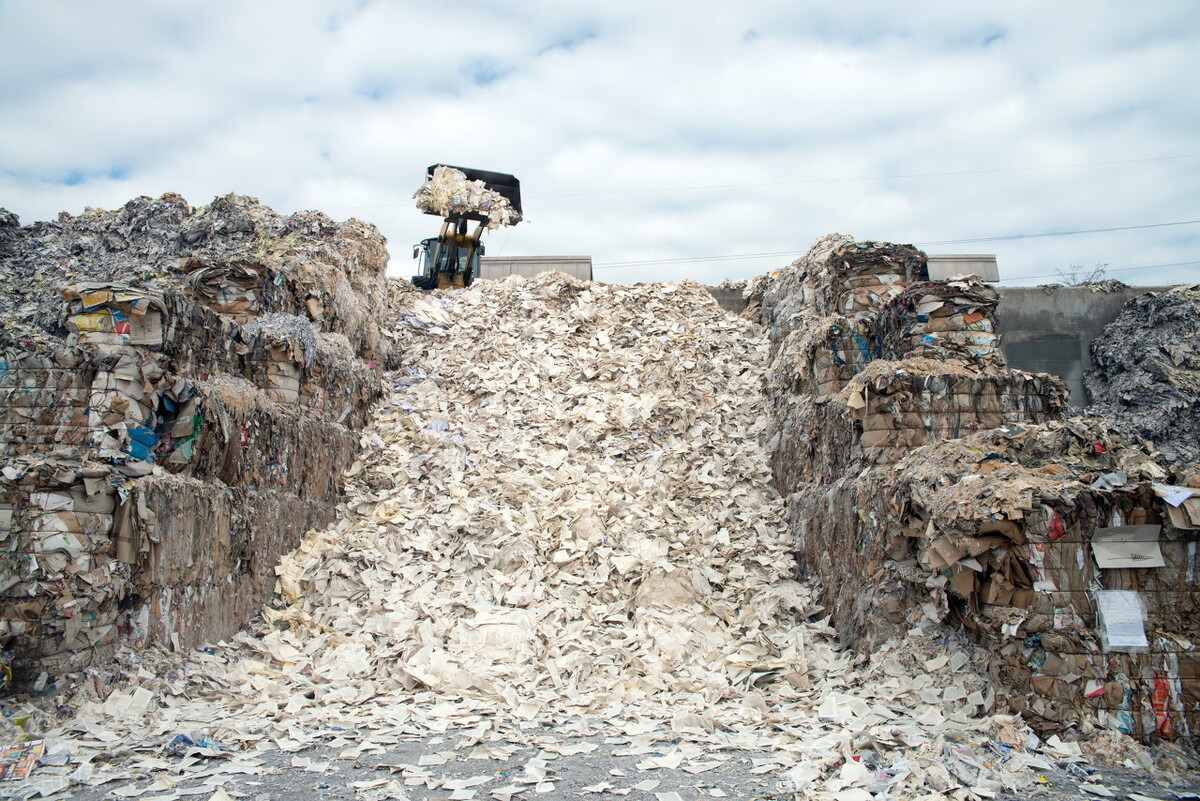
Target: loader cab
{"type": "Point", "coordinates": [445, 265]}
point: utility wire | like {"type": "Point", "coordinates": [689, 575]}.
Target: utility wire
{"type": "Point", "coordinates": [1007, 279]}
{"type": "Point", "coordinates": [1106, 270]}
{"type": "Point", "coordinates": [1002, 238]}
{"type": "Point", "coordinates": [815, 180]}
{"type": "Point", "coordinates": [1058, 233]}
{"type": "Point", "coordinates": [866, 178]}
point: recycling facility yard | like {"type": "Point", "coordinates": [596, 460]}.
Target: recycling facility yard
{"type": "Point", "coordinates": [279, 526]}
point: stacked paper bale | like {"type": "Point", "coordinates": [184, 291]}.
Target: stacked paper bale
{"type": "Point", "coordinates": [829, 429]}
{"type": "Point", "coordinates": [822, 354]}
{"type": "Point", "coordinates": [62, 581]}
{"type": "Point", "coordinates": [183, 387]}
{"type": "Point", "coordinates": [840, 275]}
{"type": "Point", "coordinates": [1033, 533]}
{"type": "Point", "coordinates": [905, 404]}
{"type": "Point", "coordinates": [838, 278]}
{"type": "Point", "coordinates": [853, 327]}
{"type": "Point", "coordinates": [45, 397]}
{"type": "Point", "coordinates": [822, 314]}
{"type": "Point", "coordinates": [936, 484]}
{"type": "Point", "coordinates": [954, 319]}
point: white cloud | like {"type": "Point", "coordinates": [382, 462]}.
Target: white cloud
{"type": "Point", "coordinates": [341, 106]}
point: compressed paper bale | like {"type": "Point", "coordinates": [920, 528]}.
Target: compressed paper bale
{"type": "Point", "coordinates": [947, 320]}
{"type": "Point", "coordinates": [879, 422]}
{"type": "Point", "coordinates": [944, 398]}
{"type": "Point", "coordinates": [117, 369]}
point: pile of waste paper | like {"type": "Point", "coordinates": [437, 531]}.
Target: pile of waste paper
{"type": "Point", "coordinates": [562, 524]}
{"type": "Point", "coordinates": [448, 193]}
{"type": "Point", "coordinates": [1146, 377]}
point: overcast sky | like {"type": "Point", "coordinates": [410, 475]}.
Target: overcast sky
{"type": "Point", "coordinates": [639, 131]}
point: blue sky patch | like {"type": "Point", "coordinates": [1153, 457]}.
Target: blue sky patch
{"type": "Point", "coordinates": [485, 72]}
{"type": "Point", "coordinates": [374, 88]}
{"type": "Point", "coordinates": [571, 42]}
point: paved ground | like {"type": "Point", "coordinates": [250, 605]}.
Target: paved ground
{"type": "Point", "coordinates": [319, 773]}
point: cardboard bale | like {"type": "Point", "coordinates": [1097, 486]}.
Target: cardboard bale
{"type": "Point", "coordinates": [838, 276]}
{"type": "Point", "coordinates": [947, 474]}
{"type": "Point", "coordinates": [953, 320]}
{"type": "Point", "coordinates": [822, 357]}
{"type": "Point", "coordinates": [891, 408]}
{"type": "Point", "coordinates": [192, 423]}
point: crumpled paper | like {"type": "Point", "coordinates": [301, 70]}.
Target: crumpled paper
{"type": "Point", "coordinates": [449, 193]}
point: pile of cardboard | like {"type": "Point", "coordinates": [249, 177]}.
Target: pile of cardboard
{"type": "Point", "coordinates": [951, 489]}
{"type": "Point", "coordinates": [170, 423]}
{"type": "Point", "coordinates": [1146, 377]}
{"type": "Point", "coordinates": [852, 375]}
{"type": "Point", "coordinates": [1039, 531]}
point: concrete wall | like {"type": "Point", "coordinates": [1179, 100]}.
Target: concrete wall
{"type": "Point", "coordinates": [493, 267]}
{"type": "Point", "coordinates": [1050, 330]}
{"type": "Point", "coordinates": [730, 300]}
{"type": "Point", "coordinates": [946, 265]}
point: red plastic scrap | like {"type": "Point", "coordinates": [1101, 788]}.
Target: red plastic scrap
{"type": "Point", "coordinates": [1057, 529]}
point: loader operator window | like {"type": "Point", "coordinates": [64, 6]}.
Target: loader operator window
{"type": "Point", "coordinates": [445, 260]}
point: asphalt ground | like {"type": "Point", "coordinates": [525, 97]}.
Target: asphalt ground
{"type": "Point", "coordinates": [606, 773]}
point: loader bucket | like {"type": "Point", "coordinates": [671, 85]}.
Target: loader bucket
{"type": "Point", "coordinates": [507, 185]}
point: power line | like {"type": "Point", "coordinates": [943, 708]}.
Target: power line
{"type": "Point", "coordinates": [1106, 270]}
{"type": "Point", "coordinates": [1001, 238]}
{"type": "Point", "coordinates": [1058, 233]}
{"type": "Point", "coordinates": [866, 178]}
{"type": "Point", "coordinates": [800, 182]}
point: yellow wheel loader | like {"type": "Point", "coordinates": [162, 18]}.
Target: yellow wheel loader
{"type": "Point", "coordinates": [451, 259]}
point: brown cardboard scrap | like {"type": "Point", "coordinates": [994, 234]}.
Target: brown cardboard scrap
{"type": "Point", "coordinates": [1186, 515]}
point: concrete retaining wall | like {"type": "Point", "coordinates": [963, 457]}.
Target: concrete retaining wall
{"type": "Point", "coordinates": [1050, 329]}
{"type": "Point", "coordinates": [730, 300]}
{"type": "Point", "coordinates": [494, 267]}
